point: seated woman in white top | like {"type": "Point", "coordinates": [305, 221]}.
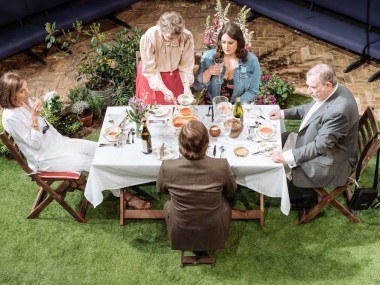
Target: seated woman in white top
{"type": "Point", "coordinates": [167, 61]}
{"type": "Point", "coordinates": [42, 145]}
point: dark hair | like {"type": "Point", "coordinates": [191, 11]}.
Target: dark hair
{"type": "Point", "coordinates": [234, 32]}
{"type": "Point", "coordinates": [193, 140]}
{"type": "Point", "coordinates": [10, 84]}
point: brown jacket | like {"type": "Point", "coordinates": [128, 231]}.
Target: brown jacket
{"type": "Point", "coordinates": [198, 215]}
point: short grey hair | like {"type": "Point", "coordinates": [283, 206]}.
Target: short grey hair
{"type": "Point", "coordinates": [171, 23]}
{"type": "Point", "coordinates": [325, 73]}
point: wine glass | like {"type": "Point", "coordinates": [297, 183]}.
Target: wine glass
{"type": "Point", "coordinates": [219, 62]}
{"type": "Point", "coordinates": [226, 127]}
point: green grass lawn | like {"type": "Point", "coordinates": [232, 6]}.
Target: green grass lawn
{"type": "Point", "coordinates": [55, 249]}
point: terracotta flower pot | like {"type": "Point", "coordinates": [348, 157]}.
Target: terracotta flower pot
{"type": "Point", "coordinates": [86, 120]}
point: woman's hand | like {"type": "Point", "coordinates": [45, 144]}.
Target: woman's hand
{"type": "Point", "coordinates": [168, 94]}
{"type": "Point", "coordinates": [186, 89]}
{"type": "Point", "coordinates": [215, 69]}
{"type": "Point", "coordinates": [36, 108]}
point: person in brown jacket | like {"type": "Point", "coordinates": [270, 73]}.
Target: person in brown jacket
{"type": "Point", "coordinates": [201, 188]}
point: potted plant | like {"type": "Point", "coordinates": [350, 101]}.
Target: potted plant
{"type": "Point", "coordinates": [274, 89]}
{"type": "Point", "coordinates": [84, 113]}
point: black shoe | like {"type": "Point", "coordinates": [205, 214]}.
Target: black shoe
{"type": "Point", "coordinates": [201, 253]}
{"type": "Point", "coordinates": [299, 204]}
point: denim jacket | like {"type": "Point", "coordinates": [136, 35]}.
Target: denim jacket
{"type": "Point", "coordinates": [246, 78]}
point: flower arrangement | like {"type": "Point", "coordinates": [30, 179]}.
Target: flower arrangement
{"type": "Point", "coordinates": [220, 18]}
{"type": "Point", "coordinates": [274, 89]}
{"type": "Point", "coordinates": [138, 110]}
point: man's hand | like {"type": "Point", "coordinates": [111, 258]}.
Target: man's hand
{"type": "Point", "coordinates": [277, 157]}
{"type": "Point", "coordinates": [275, 114]}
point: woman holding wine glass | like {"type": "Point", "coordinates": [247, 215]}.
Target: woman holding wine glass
{"type": "Point", "coordinates": [239, 72]}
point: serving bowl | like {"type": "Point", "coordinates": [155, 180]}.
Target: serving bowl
{"type": "Point", "coordinates": [178, 121]}
{"type": "Point", "coordinates": [185, 99]}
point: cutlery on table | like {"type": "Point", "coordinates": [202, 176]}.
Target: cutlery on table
{"type": "Point", "coordinates": [209, 110]}
{"type": "Point", "coordinates": [173, 111]}
{"type": "Point", "coordinates": [128, 139]}
{"type": "Point", "coordinates": [122, 123]}
{"type": "Point", "coordinates": [212, 114]}
{"type": "Point", "coordinates": [214, 151]}
{"type": "Point", "coordinates": [111, 144]}
{"type": "Point", "coordinates": [222, 149]}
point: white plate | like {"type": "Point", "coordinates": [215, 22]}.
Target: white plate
{"type": "Point", "coordinates": [185, 99]}
{"type": "Point", "coordinates": [118, 138]}
{"type": "Point", "coordinates": [168, 153]}
{"type": "Point", "coordinates": [160, 111]}
{"type": "Point", "coordinates": [255, 111]}
{"type": "Point", "coordinates": [266, 138]}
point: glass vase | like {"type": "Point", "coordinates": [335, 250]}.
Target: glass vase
{"type": "Point", "coordinates": [138, 130]}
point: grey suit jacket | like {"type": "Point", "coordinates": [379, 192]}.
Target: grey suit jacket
{"type": "Point", "coordinates": [198, 214]}
{"type": "Point", "coordinates": [326, 147]}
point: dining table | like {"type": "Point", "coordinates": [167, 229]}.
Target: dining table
{"type": "Point", "coordinates": [121, 164]}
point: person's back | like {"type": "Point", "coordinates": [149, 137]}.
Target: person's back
{"type": "Point", "coordinates": [198, 215]}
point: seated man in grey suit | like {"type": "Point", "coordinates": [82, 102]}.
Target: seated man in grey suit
{"type": "Point", "coordinates": [323, 153]}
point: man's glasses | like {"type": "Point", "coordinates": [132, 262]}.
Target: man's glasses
{"type": "Point", "coordinates": [45, 128]}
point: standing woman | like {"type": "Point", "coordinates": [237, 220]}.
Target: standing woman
{"type": "Point", "coordinates": [42, 145]}
{"type": "Point", "coordinates": [240, 72]}
{"type": "Point", "coordinates": [167, 61]}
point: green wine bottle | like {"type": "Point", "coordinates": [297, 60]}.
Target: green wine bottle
{"type": "Point", "coordinates": [238, 109]}
{"type": "Point", "coordinates": [146, 139]}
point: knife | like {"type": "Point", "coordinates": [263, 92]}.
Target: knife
{"type": "Point", "coordinates": [212, 113]}
{"type": "Point", "coordinates": [123, 121]}
{"type": "Point", "coordinates": [214, 151]}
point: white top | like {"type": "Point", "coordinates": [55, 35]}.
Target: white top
{"type": "Point", "coordinates": [50, 151]}
{"type": "Point", "coordinates": [158, 56]}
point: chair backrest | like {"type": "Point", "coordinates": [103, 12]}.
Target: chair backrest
{"type": "Point", "coordinates": [15, 151]}
{"type": "Point", "coordinates": [369, 138]}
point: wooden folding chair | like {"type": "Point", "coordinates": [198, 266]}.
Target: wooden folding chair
{"type": "Point", "coordinates": [46, 193]}
{"type": "Point", "coordinates": [369, 143]}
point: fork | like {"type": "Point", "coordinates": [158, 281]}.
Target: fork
{"type": "Point", "coordinates": [221, 149]}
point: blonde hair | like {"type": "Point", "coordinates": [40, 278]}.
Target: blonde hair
{"type": "Point", "coordinates": [325, 73]}
{"type": "Point", "coordinates": [171, 23]}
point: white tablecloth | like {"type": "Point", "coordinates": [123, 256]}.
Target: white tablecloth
{"type": "Point", "coordinates": [117, 167]}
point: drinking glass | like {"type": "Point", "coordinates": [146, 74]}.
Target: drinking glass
{"type": "Point", "coordinates": [219, 62]}
{"type": "Point", "coordinates": [226, 127]}
{"type": "Point", "coordinates": [221, 106]}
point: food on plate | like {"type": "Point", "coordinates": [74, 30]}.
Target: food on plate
{"type": "Point", "coordinates": [179, 120]}
{"type": "Point", "coordinates": [214, 131]}
{"type": "Point", "coordinates": [241, 151]}
{"type": "Point", "coordinates": [266, 130]}
{"type": "Point", "coordinates": [113, 132]}
{"type": "Point", "coordinates": [185, 111]}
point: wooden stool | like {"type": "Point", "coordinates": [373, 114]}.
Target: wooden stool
{"type": "Point", "coordinates": [192, 259]}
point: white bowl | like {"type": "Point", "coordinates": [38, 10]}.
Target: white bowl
{"type": "Point", "coordinates": [112, 132]}
{"type": "Point", "coordinates": [185, 99]}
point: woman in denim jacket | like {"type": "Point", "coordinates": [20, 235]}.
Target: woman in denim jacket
{"type": "Point", "coordinates": [240, 73]}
